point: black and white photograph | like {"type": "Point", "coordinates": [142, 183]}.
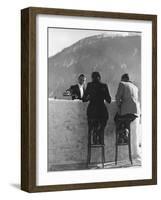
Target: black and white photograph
{"type": "Point", "coordinates": [89, 96]}
{"type": "Point", "coordinates": [94, 99]}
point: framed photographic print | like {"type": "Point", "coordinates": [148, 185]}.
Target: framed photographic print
{"type": "Point", "coordinates": [88, 99]}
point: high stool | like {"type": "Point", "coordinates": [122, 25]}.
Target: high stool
{"type": "Point", "coordinates": [123, 133]}
{"type": "Point", "coordinates": [94, 141]}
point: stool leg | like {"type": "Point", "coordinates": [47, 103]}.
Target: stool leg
{"type": "Point", "coordinates": [116, 152]}
{"type": "Point", "coordinates": [89, 147]}
{"type": "Point", "coordinates": [103, 156]}
{"type": "Point", "coordinates": [89, 155]}
{"type": "Point", "coordinates": [129, 143]}
{"type": "Point", "coordinates": [116, 149]}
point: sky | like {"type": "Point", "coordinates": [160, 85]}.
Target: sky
{"type": "Point", "coordinates": [60, 38]}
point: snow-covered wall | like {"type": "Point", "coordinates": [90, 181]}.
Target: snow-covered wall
{"type": "Point", "coordinates": [68, 134]}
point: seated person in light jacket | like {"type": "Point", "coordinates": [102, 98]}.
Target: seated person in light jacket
{"type": "Point", "coordinates": [129, 108]}
{"type": "Point", "coordinates": [127, 97]}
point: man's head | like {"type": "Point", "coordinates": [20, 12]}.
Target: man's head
{"type": "Point", "coordinates": [81, 79]}
{"type": "Point", "coordinates": [96, 77]}
{"type": "Point", "coordinates": [125, 78]}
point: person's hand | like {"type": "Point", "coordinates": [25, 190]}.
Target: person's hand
{"type": "Point", "coordinates": [67, 93]}
{"type": "Point", "coordinates": [75, 96]}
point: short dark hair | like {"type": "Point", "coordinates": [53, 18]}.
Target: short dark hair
{"type": "Point", "coordinates": [96, 76]}
{"type": "Point", "coordinates": [81, 75]}
{"type": "Point", "coordinates": [125, 77]}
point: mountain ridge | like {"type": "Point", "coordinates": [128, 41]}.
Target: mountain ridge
{"type": "Point", "coordinates": [111, 56]}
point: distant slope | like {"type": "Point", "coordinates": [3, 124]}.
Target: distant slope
{"type": "Point", "coordinates": [111, 56]}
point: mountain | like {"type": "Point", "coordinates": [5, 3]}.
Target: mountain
{"type": "Point", "coordinates": [110, 55]}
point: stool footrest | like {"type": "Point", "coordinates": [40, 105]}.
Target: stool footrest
{"type": "Point", "coordinates": [123, 144]}
{"type": "Point", "coordinates": [97, 145]}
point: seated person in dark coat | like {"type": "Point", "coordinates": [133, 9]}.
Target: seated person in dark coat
{"type": "Point", "coordinates": [77, 91]}
{"type": "Point", "coordinates": [96, 92]}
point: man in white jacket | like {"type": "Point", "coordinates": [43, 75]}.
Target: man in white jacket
{"type": "Point", "coordinates": [127, 101]}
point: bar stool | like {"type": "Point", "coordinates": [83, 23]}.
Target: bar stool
{"type": "Point", "coordinates": [95, 141]}
{"type": "Point", "coordinates": [123, 133]}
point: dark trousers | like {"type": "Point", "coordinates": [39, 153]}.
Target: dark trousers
{"type": "Point", "coordinates": [96, 129]}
